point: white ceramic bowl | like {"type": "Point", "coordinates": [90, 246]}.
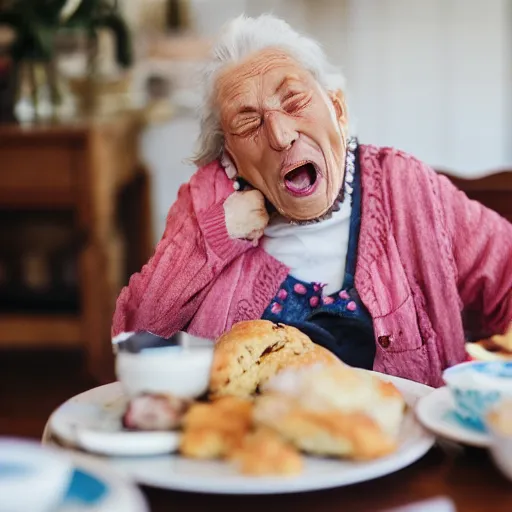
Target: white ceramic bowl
{"type": "Point", "coordinates": [476, 387]}
{"type": "Point", "coordinates": [184, 373]}
{"type": "Point", "coordinates": [500, 431]}
{"type": "Point", "coordinates": [32, 477]}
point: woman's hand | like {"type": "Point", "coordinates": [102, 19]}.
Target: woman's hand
{"type": "Point", "coordinates": [246, 215]}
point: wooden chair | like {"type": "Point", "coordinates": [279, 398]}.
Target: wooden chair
{"type": "Point", "coordinates": [495, 192]}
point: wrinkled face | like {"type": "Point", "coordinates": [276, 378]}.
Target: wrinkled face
{"type": "Point", "coordinates": [283, 133]}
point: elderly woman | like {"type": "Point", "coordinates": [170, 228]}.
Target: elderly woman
{"type": "Point", "coordinates": [288, 218]}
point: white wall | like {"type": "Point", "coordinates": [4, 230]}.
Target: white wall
{"type": "Point", "coordinates": [164, 149]}
{"type": "Point", "coordinates": [430, 77]}
{"type": "Point", "coordinates": [434, 78]}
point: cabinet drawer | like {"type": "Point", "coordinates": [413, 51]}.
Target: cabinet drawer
{"type": "Point", "coordinates": [36, 174]}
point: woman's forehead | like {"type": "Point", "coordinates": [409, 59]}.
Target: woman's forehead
{"type": "Point", "coordinates": [269, 68]}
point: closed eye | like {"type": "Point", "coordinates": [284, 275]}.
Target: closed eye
{"type": "Point", "coordinates": [246, 124]}
{"type": "Point", "coordinates": [295, 102]}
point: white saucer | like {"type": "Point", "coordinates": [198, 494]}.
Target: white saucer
{"type": "Point", "coordinates": [94, 424]}
{"type": "Point", "coordinates": [436, 412]}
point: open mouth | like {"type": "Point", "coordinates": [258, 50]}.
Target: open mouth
{"type": "Point", "coordinates": [301, 180]}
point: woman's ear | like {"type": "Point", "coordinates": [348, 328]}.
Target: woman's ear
{"type": "Point", "coordinates": [229, 167]}
{"type": "Point", "coordinates": [338, 100]}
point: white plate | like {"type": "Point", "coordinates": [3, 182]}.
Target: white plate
{"type": "Point", "coordinates": [436, 412]}
{"type": "Point", "coordinates": [178, 473]}
{"type": "Point", "coordinates": [92, 421]}
{"type": "Point", "coordinates": [96, 488]}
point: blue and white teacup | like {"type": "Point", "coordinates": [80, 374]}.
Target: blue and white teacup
{"type": "Point", "coordinates": [33, 478]}
{"type": "Point", "coordinates": [478, 386]}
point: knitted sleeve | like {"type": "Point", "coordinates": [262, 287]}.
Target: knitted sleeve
{"type": "Point", "coordinates": [194, 249]}
{"type": "Point", "coordinates": [482, 250]}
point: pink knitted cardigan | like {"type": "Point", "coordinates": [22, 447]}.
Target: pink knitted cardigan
{"type": "Point", "coordinates": [426, 252]}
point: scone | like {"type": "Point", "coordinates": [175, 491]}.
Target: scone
{"type": "Point", "coordinates": [214, 430]}
{"type": "Point", "coordinates": [264, 452]}
{"type": "Point", "coordinates": [496, 348]}
{"type": "Point", "coordinates": [332, 411]}
{"type": "Point", "coordinates": [253, 351]}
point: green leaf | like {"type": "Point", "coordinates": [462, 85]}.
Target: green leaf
{"type": "Point", "coordinates": [46, 42]}
{"type": "Point", "coordinates": [121, 32]}
{"type": "Point", "coordinates": [47, 12]}
{"type": "Point", "coordinates": [84, 12]}
{"type": "Point", "coordinates": [68, 9]}
{"type": "Point", "coordinates": [12, 19]}
{"type": "Point", "coordinates": [18, 24]}
{"type": "Point", "coordinates": [37, 21]}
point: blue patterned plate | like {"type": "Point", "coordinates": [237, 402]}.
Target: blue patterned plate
{"type": "Point", "coordinates": [437, 413]}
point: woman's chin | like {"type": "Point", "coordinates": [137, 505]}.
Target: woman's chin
{"type": "Point", "coordinates": [307, 218]}
{"type": "Point", "coordinates": [308, 214]}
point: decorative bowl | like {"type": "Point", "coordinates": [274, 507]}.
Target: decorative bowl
{"type": "Point", "coordinates": [476, 387]}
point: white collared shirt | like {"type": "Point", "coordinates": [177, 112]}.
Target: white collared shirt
{"type": "Point", "coordinates": [313, 252]}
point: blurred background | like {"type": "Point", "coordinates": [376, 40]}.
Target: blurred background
{"type": "Point", "coordinates": [98, 106]}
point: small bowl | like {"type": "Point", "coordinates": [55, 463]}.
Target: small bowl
{"type": "Point", "coordinates": [177, 370]}
{"type": "Point", "coordinates": [476, 387]}
{"type": "Point", "coordinates": [499, 425]}
{"type": "Point", "coordinates": [32, 477]}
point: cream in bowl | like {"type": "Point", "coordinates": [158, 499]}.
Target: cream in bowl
{"type": "Point", "coordinates": [499, 426]}
{"type": "Point", "coordinates": [476, 387]}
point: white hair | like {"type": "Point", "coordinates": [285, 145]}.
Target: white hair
{"type": "Point", "coordinates": [240, 38]}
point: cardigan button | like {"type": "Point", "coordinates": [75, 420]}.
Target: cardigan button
{"type": "Point", "coordinates": [384, 341]}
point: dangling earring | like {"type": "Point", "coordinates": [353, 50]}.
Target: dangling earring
{"type": "Point", "coordinates": [239, 184]}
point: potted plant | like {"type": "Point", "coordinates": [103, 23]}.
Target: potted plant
{"type": "Point", "coordinates": [36, 24]}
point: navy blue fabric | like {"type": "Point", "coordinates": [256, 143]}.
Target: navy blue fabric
{"type": "Point", "coordinates": [339, 321]}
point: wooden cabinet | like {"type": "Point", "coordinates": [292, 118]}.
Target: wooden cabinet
{"type": "Point", "coordinates": [89, 168]}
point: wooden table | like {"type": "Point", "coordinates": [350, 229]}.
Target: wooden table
{"type": "Point", "coordinates": [85, 167]}
{"type": "Point", "coordinates": [466, 476]}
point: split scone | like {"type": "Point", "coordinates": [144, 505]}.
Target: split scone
{"type": "Point", "coordinates": [264, 452]}
{"type": "Point", "coordinates": [495, 348]}
{"type": "Point", "coordinates": [223, 430]}
{"type": "Point", "coordinates": [253, 351]}
{"type": "Point", "coordinates": [334, 411]}
{"type": "Point", "coordinates": [214, 430]}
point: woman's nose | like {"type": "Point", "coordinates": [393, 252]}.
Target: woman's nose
{"type": "Point", "coordinates": [280, 129]}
